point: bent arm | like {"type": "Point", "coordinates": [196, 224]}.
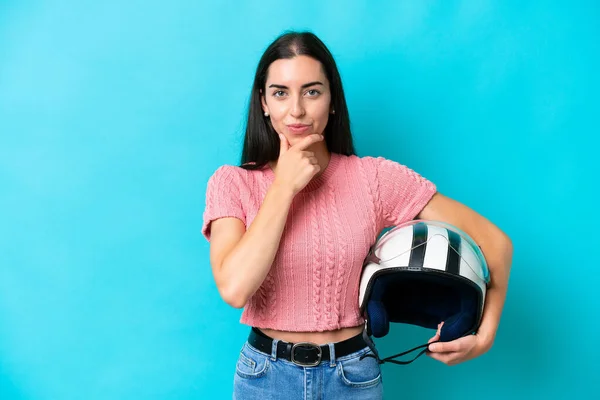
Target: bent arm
{"type": "Point", "coordinates": [496, 247]}
{"type": "Point", "coordinates": [240, 258]}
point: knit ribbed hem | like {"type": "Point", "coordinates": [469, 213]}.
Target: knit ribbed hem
{"type": "Point", "coordinates": [282, 326]}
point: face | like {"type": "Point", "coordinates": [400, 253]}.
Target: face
{"type": "Point", "coordinates": [297, 97]}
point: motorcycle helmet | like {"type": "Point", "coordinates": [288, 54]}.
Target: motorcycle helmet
{"type": "Point", "coordinates": [422, 273]}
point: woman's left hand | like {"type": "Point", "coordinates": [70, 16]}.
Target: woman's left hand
{"type": "Point", "coordinates": [459, 350]}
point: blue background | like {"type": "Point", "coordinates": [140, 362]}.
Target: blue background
{"type": "Point", "coordinates": [114, 114]}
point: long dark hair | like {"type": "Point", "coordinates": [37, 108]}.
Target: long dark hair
{"type": "Point", "coordinates": [261, 143]}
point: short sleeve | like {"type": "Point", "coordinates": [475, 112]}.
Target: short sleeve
{"type": "Point", "coordinates": [400, 192]}
{"type": "Point", "coordinates": [222, 198]}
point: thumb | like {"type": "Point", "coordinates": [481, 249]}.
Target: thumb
{"type": "Point", "coordinates": [283, 145]}
{"type": "Point", "coordinates": [435, 338]}
{"type": "Point", "coordinates": [437, 334]}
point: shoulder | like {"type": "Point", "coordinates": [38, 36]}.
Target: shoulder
{"type": "Point", "coordinates": [383, 165]}
{"type": "Point", "coordinates": [226, 170]}
{"type": "Point", "coordinates": [379, 162]}
{"type": "Point", "coordinates": [235, 171]}
{"type": "Point", "coordinates": [358, 161]}
{"type": "Point", "coordinates": [224, 173]}
{"type": "Point", "coordinates": [386, 172]}
{"type": "Point", "coordinates": [365, 160]}
{"type": "Point", "coordinates": [373, 164]}
{"type": "Point", "coordinates": [369, 167]}
{"type": "Point", "coordinates": [235, 175]}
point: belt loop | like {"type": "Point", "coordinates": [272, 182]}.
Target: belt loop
{"type": "Point", "coordinates": [331, 354]}
{"type": "Point", "coordinates": [274, 350]}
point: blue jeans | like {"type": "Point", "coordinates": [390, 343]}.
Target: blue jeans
{"type": "Point", "coordinates": [265, 377]}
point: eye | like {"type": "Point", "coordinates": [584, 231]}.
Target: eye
{"type": "Point", "coordinates": [313, 92]}
{"type": "Point", "coordinates": [278, 93]}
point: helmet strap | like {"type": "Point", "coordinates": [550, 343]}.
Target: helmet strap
{"type": "Point", "coordinates": [390, 359]}
{"type": "Point", "coordinates": [371, 345]}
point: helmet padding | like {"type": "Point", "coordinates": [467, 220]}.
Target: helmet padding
{"type": "Point", "coordinates": [424, 298]}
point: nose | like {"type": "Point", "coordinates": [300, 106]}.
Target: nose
{"type": "Point", "coordinates": [297, 109]}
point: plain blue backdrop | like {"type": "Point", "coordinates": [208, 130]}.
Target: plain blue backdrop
{"type": "Point", "coordinates": [114, 114]}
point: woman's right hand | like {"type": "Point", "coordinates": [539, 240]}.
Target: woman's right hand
{"type": "Point", "coordinates": [296, 166]}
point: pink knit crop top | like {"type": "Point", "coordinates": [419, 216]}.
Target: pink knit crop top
{"type": "Point", "coordinates": [313, 283]}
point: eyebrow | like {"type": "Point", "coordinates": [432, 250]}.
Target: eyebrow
{"type": "Point", "coordinates": [303, 86]}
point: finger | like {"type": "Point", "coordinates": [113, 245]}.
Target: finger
{"type": "Point", "coordinates": [307, 141]}
{"type": "Point", "coordinates": [313, 160]}
{"type": "Point", "coordinates": [437, 333]}
{"type": "Point", "coordinates": [434, 338]}
{"type": "Point", "coordinates": [439, 347]}
{"type": "Point", "coordinates": [446, 358]}
{"type": "Point", "coordinates": [446, 347]}
{"type": "Point", "coordinates": [284, 145]}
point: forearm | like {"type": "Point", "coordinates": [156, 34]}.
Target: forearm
{"type": "Point", "coordinates": [247, 265]}
{"type": "Point", "coordinates": [498, 255]}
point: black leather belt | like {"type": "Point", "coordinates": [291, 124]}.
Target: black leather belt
{"type": "Point", "coordinates": [305, 354]}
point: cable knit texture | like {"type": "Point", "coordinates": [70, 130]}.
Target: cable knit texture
{"type": "Point", "coordinates": [313, 283]}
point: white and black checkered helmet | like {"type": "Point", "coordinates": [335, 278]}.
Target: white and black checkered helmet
{"type": "Point", "coordinates": [422, 273]}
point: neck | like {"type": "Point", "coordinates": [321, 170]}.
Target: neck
{"type": "Point", "coordinates": [323, 155]}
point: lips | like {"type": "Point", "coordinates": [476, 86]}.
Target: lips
{"type": "Point", "coordinates": [298, 128]}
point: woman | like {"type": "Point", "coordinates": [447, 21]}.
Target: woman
{"type": "Point", "coordinates": [290, 228]}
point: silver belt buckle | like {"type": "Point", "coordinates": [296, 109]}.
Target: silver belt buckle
{"type": "Point", "coordinates": [307, 344]}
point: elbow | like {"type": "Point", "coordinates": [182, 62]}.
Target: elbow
{"type": "Point", "coordinates": [508, 247]}
{"type": "Point", "coordinates": [230, 291]}
{"type": "Point", "coordinates": [503, 253]}
{"type": "Point", "coordinates": [501, 243]}
{"type": "Point", "coordinates": [233, 297]}
{"type": "Point", "coordinates": [236, 302]}
{"type": "Point", "coordinates": [502, 247]}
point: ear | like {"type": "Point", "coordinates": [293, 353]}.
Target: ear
{"type": "Point", "coordinates": [263, 102]}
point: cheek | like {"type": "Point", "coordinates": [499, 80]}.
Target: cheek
{"type": "Point", "coordinates": [277, 110]}
{"type": "Point", "coordinates": [321, 114]}
{"type": "Point", "coordinates": [277, 115]}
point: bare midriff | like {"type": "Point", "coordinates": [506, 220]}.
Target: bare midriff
{"type": "Point", "coordinates": [319, 338]}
